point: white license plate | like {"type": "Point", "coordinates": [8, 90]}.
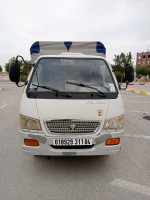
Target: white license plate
{"type": "Point", "coordinates": [72, 142]}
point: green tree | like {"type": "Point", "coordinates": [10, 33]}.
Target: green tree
{"type": "Point", "coordinates": [144, 71]}
{"type": "Point", "coordinates": [7, 64]}
{"type": "Point", "coordinates": [121, 61]}
{"type": "Point", "coordinates": [25, 70]}
{"type": "Point", "coordinates": [1, 69]}
{"type": "Point", "coordinates": [118, 76]}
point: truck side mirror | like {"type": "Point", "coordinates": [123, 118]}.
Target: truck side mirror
{"type": "Point", "coordinates": [14, 72]}
{"type": "Point", "coordinates": [129, 74]}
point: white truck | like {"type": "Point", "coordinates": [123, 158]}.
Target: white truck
{"type": "Point", "coordinates": [71, 103]}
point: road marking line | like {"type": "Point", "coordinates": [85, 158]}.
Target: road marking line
{"type": "Point", "coordinates": [3, 105]}
{"type": "Point", "coordinates": [136, 101]}
{"type": "Point", "coordinates": [137, 111]}
{"type": "Point", "coordinates": [147, 137]}
{"type": "Point", "coordinates": [131, 186]}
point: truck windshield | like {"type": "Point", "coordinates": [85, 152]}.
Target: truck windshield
{"type": "Point", "coordinates": [57, 72]}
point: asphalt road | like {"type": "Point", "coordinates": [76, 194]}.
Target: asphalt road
{"type": "Point", "coordinates": [122, 176]}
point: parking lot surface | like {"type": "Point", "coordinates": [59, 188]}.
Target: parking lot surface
{"type": "Point", "coordinates": [122, 176]}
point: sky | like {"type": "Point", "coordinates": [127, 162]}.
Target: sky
{"type": "Point", "coordinates": [121, 25]}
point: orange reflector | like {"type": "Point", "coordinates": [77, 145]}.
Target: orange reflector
{"type": "Point", "coordinates": [113, 141]}
{"type": "Point", "coordinates": [31, 142]}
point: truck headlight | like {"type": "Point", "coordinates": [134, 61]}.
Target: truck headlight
{"type": "Point", "coordinates": [114, 123]}
{"type": "Point", "coordinates": [29, 123]}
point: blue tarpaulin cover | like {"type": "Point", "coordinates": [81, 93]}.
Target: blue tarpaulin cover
{"type": "Point", "coordinates": [56, 48]}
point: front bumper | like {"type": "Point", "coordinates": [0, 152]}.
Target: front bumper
{"type": "Point", "coordinates": [45, 143]}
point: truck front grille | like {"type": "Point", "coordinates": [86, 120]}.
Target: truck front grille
{"type": "Point", "coordinates": [72, 126]}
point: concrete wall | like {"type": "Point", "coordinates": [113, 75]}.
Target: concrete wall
{"type": "Point", "coordinates": [4, 76]}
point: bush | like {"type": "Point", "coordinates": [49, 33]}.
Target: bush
{"type": "Point", "coordinates": [1, 69]}
{"type": "Point", "coordinates": [143, 71]}
{"type": "Point", "coordinates": [118, 76]}
{"type": "Point", "coordinates": [23, 78]}
{"type": "Point", "coordinates": [138, 76]}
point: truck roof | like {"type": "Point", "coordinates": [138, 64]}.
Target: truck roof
{"type": "Point", "coordinates": [41, 48]}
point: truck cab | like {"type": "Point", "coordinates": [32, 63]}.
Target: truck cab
{"type": "Point", "coordinates": [71, 103]}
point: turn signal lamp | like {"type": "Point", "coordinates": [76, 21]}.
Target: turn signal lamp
{"type": "Point", "coordinates": [112, 141]}
{"type": "Point", "coordinates": [31, 142]}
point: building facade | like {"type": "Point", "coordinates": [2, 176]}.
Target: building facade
{"type": "Point", "coordinates": [4, 76]}
{"type": "Point", "coordinates": [143, 59]}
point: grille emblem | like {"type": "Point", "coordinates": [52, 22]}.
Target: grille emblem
{"type": "Point", "coordinates": [72, 126]}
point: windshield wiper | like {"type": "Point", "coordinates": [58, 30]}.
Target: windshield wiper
{"type": "Point", "coordinates": [86, 86]}
{"type": "Point", "coordinates": [53, 89]}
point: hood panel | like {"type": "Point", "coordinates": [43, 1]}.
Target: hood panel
{"type": "Point", "coordinates": [71, 109]}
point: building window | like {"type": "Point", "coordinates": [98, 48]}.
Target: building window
{"type": "Point", "coordinates": [144, 57]}
{"type": "Point", "coordinates": [148, 56]}
{"type": "Point", "coordinates": [139, 57]}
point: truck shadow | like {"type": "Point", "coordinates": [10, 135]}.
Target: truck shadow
{"type": "Point", "coordinates": [69, 169]}
{"type": "Point", "coordinates": [73, 164]}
